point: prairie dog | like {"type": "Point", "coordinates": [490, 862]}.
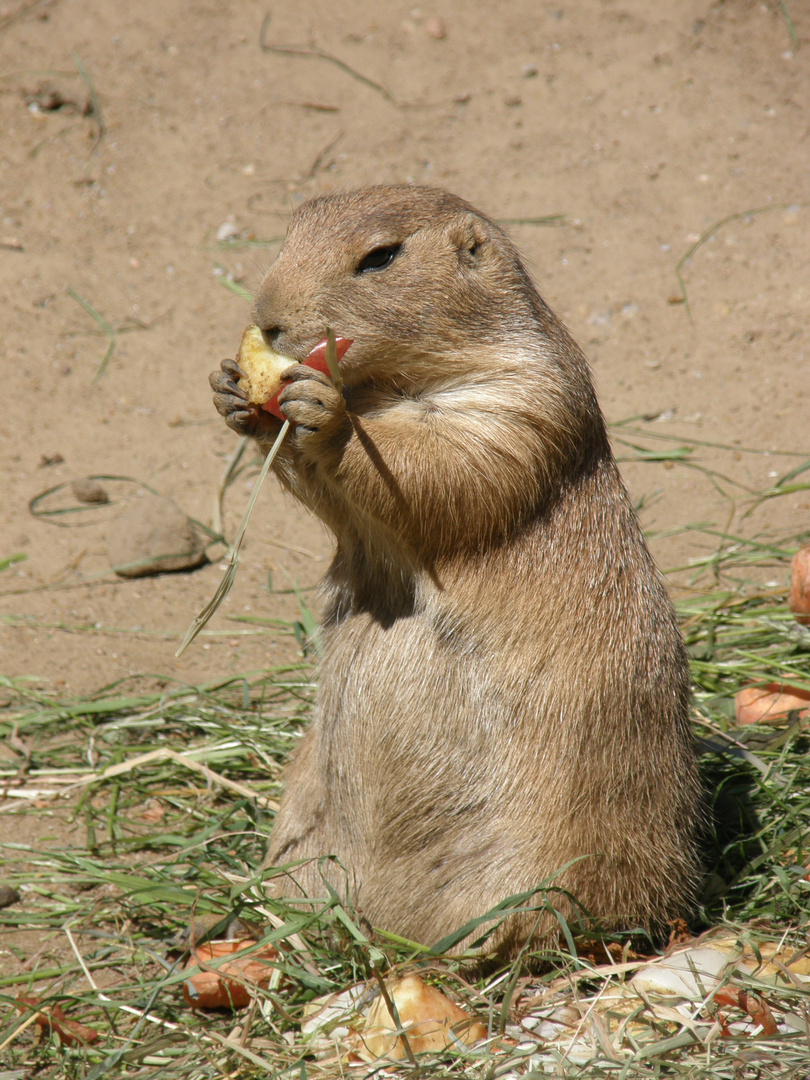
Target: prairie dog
{"type": "Point", "coordinates": [503, 690]}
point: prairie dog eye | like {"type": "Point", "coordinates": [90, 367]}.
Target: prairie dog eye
{"type": "Point", "coordinates": [378, 258]}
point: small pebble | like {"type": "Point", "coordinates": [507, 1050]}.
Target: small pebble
{"type": "Point", "coordinates": [89, 491]}
{"type": "Point", "coordinates": [8, 896]}
{"type": "Point", "coordinates": [435, 28]}
{"type": "Point", "coordinates": [228, 230]}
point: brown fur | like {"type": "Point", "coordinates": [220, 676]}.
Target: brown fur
{"type": "Point", "coordinates": [503, 686]}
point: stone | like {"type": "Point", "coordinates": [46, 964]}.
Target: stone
{"type": "Point", "coordinates": [8, 896]}
{"type": "Point", "coordinates": [87, 490]}
{"type": "Point", "coordinates": [154, 536]}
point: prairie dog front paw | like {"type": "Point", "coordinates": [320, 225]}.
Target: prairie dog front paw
{"type": "Point", "coordinates": [232, 403]}
{"type": "Point", "coordinates": [316, 408]}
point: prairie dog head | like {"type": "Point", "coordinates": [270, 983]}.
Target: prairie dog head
{"type": "Point", "coordinates": [413, 275]}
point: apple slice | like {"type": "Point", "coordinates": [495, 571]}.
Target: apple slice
{"type": "Point", "coordinates": [264, 368]}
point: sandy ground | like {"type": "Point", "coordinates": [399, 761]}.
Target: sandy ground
{"type": "Point", "coordinates": [151, 153]}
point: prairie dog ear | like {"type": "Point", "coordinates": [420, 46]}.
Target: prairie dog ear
{"type": "Point", "coordinates": [467, 233]}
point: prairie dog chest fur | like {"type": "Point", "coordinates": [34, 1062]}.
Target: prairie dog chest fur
{"type": "Point", "coordinates": [503, 690]}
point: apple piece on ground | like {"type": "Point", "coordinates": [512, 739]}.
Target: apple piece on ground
{"type": "Point", "coordinates": [773, 701]}
{"type": "Point", "coordinates": [799, 598]}
{"type": "Point", "coordinates": [232, 984]}
{"type": "Point", "coordinates": [430, 1021]}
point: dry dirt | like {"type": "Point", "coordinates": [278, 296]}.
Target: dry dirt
{"type": "Point", "coordinates": [132, 136]}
